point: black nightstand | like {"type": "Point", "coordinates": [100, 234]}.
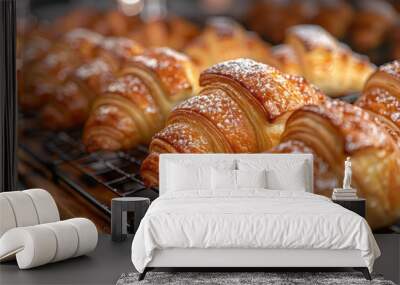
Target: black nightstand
{"type": "Point", "coordinates": [120, 207]}
{"type": "Point", "coordinates": [355, 205]}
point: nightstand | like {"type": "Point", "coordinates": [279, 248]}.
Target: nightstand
{"type": "Point", "coordinates": [355, 205]}
{"type": "Point", "coordinates": [120, 207]}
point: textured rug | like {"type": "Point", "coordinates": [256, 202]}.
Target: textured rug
{"type": "Point", "coordinates": [243, 278]}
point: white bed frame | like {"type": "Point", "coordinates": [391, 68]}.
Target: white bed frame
{"type": "Point", "coordinates": [250, 258]}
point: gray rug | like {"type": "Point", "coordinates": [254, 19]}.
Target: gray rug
{"type": "Point", "coordinates": [242, 278]}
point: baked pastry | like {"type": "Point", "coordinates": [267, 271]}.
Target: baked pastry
{"type": "Point", "coordinates": [173, 32]}
{"type": "Point", "coordinates": [224, 39]}
{"type": "Point", "coordinates": [372, 22]}
{"type": "Point", "coordinates": [335, 16]}
{"type": "Point", "coordinates": [134, 106]}
{"type": "Point", "coordinates": [395, 41]}
{"type": "Point", "coordinates": [83, 17]}
{"type": "Point", "coordinates": [70, 105]}
{"type": "Point", "coordinates": [335, 130]}
{"type": "Point", "coordinates": [381, 96]}
{"type": "Point", "coordinates": [45, 75]}
{"type": "Point", "coordinates": [271, 18]}
{"type": "Point", "coordinates": [327, 63]}
{"type": "Point", "coordinates": [243, 107]}
{"type": "Point", "coordinates": [115, 23]}
{"type": "Point", "coordinates": [33, 47]}
{"type": "Point", "coordinates": [287, 59]}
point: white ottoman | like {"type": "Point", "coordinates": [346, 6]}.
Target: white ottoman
{"type": "Point", "coordinates": [40, 244]}
{"type": "Point", "coordinates": [26, 208]}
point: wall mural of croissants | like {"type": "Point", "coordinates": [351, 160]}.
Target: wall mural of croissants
{"type": "Point", "coordinates": [178, 88]}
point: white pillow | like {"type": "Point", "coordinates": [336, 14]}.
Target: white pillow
{"type": "Point", "coordinates": [223, 179]}
{"type": "Point", "coordinates": [285, 174]}
{"type": "Point", "coordinates": [251, 178]}
{"type": "Point", "coordinates": [293, 180]}
{"type": "Point", "coordinates": [181, 177]}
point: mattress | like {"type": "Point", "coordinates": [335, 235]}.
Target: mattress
{"type": "Point", "coordinates": [250, 219]}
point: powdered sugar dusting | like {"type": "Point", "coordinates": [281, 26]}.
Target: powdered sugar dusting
{"type": "Point", "coordinates": [380, 101]}
{"type": "Point", "coordinates": [132, 88]}
{"type": "Point", "coordinates": [185, 138]}
{"type": "Point", "coordinates": [356, 125]}
{"type": "Point", "coordinates": [121, 47]}
{"type": "Point", "coordinates": [77, 36]}
{"type": "Point", "coordinates": [36, 47]}
{"type": "Point", "coordinates": [392, 68]}
{"type": "Point", "coordinates": [277, 92]}
{"type": "Point", "coordinates": [313, 36]}
{"type": "Point", "coordinates": [225, 114]}
{"type": "Point", "coordinates": [170, 68]}
{"type": "Point", "coordinates": [92, 68]}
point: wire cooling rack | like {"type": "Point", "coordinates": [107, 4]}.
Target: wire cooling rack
{"type": "Point", "coordinates": [118, 172]}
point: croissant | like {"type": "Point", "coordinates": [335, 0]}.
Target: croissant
{"type": "Point", "coordinates": [70, 105]}
{"type": "Point", "coordinates": [83, 17]}
{"type": "Point", "coordinates": [115, 23]}
{"type": "Point", "coordinates": [271, 18]}
{"type": "Point", "coordinates": [33, 48]}
{"type": "Point", "coordinates": [372, 22]}
{"type": "Point", "coordinates": [287, 59]}
{"type": "Point", "coordinates": [224, 39]}
{"type": "Point", "coordinates": [381, 96]}
{"type": "Point", "coordinates": [243, 107]}
{"type": "Point", "coordinates": [395, 42]}
{"type": "Point", "coordinates": [44, 76]}
{"type": "Point", "coordinates": [135, 104]}
{"type": "Point", "coordinates": [335, 130]}
{"type": "Point", "coordinates": [325, 62]}
{"type": "Point", "coordinates": [173, 32]}
{"type": "Point", "coordinates": [327, 14]}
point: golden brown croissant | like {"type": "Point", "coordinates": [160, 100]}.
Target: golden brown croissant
{"type": "Point", "coordinates": [395, 42]}
{"type": "Point", "coordinates": [328, 13]}
{"type": "Point", "coordinates": [173, 32]}
{"type": "Point", "coordinates": [335, 130]}
{"type": "Point", "coordinates": [70, 105]}
{"type": "Point", "coordinates": [115, 23]}
{"type": "Point", "coordinates": [243, 107]}
{"type": "Point", "coordinates": [381, 96]}
{"type": "Point", "coordinates": [272, 18]}
{"type": "Point", "coordinates": [328, 64]}
{"type": "Point", "coordinates": [44, 76]}
{"type": "Point", "coordinates": [33, 48]}
{"type": "Point", "coordinates": [224, 39]}
{"type": "Point", "coordinates": [135, 105]}
{"type": "Point", "coordinates": [287, 59]}
{"type": "Point", "coordinates": [83, 17]}
{"type": "Point", "coordinates": [372, 22]}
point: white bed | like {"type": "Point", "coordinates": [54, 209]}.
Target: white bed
{"type": "Point", "coordinates": [249, 227]}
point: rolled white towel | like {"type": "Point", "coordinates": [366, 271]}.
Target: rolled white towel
{"type": "Point", "coordinates": [40, 244]}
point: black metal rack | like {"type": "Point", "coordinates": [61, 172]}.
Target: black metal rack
{"type": "Point", "coordinates": [117, 172]}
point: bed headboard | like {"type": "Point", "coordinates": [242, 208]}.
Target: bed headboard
{"type": "Point", "coordinates": [215, 159]}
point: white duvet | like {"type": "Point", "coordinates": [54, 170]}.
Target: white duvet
{"type": "Point", "coordinates": [252, 218]}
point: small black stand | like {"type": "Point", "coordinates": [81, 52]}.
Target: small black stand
{"type": "Point", "coordinates": [119, 215]}
{"type": "Point", "coordinates": [355, 205]}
